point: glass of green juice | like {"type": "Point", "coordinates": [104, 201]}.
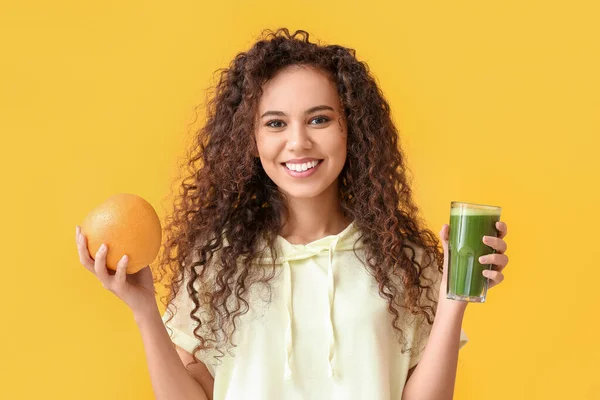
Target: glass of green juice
{"type": "Point", "coordinates": [469, 223]}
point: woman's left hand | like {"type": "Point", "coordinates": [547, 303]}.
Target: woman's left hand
{"type": "Point", "coordinates": [499, 260]}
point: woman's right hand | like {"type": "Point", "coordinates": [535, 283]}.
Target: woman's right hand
{"type": "Point", "coordinates": [136, 290]}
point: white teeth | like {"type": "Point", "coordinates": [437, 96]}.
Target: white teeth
{"type": "Point", "coordinates": [301, 167]}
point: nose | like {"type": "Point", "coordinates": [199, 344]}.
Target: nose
{"type": "Point", "coordinates": [298, 138]}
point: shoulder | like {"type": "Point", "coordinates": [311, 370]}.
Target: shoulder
{"type": "Point", "coordinates": [413, 250]}
{"type": "Point", "coordinates": [425, 258]}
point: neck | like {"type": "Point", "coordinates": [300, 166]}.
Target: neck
{"type": "Point", "coordinates": [313, 218]}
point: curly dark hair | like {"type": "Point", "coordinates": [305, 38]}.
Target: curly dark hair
{"type": "Point", "coordinates": [227, 203]}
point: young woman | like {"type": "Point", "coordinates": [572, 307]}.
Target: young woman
{"type": "Point", "coordinates": [301, 268]}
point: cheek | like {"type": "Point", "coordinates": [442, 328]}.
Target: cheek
{"type": "Point", "coordinates": [259, 141]}
{"type": "Point", "coordinates": [268, 149]}
{"type": "Point", "coordinates": [336, 145]}
{"type": "Point", "coordinates": [261, 145]}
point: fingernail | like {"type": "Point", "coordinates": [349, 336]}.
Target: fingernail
{"type": "Point", "coordinates": [486, 273]}
{"type": "Point", "coordinates": [482, 259]}
{"type": "Point", "coordinates": [102, 247]}
{"type": "Point", "coordinates": [124, 258]}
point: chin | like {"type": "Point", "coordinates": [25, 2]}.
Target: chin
{"type": "Point", "coordinates": [306, 190]}
{"type": "Point", "coordinates": [299, 193]}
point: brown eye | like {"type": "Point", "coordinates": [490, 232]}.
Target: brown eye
{"type": "Point", "coordinates": [270, 124]}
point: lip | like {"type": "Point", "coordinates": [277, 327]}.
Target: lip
{"type": "Point", "coordinates": [301, 160]}
{"type": "Point", "coordinates": [302, 174]}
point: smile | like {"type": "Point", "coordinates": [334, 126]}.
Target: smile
{"type": "Point", "coordinates": [302, 170]}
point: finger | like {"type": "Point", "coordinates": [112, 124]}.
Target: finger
{"type": "Point", "coordinates": [121, 275]}
{"type": "Point", "coordinates": [100, 266]}
{"type": "Point", "coordinates": [444, 232]}
{"type": "Point", "coordinates": [499, 260]}
{"type": "Point", "coordinates": [495, 243]}
{"type": "Point", "coordinates": [501, 226]}
{"type": "Point", "coordinates": [495, 277]}
{"type": "Point", "coordinates": [84, 253]}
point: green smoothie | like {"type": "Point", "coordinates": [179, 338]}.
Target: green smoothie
{"type": "Point", "coordinates": [469, 223]}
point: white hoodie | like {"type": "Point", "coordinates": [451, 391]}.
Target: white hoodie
{"type": "Point", "coordinates": [325, 333]}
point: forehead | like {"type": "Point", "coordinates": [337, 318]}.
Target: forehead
{"type": "Point", "coordinates": [298, 88]}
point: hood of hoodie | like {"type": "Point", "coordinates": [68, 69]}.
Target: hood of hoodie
{"type": "Point", "coordinates": [347, 240]}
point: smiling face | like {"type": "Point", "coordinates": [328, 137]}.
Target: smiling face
{"type": "Point", "coordinates": [299, 123]}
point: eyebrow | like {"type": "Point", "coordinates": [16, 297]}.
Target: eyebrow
{"type": "Point", "coordinates": [309, 111]}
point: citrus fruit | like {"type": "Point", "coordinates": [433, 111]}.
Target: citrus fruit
{"type": "Point", "coordinates": [127, 224]}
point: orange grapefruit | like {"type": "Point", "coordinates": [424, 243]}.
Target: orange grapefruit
{"type": "Point", "coordinates": [127, 224]}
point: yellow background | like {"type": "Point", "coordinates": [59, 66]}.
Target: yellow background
{"type": "Point", "coordinates": [496, 102]}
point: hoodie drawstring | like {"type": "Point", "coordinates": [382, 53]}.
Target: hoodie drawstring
{"type": "Point", "coordinates": [331, 292]}
{"type": "Point", "coordinates": [287, 290]}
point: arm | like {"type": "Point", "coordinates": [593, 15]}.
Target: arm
{"type": "Point", "coordinates": [433, 378]}
{"type": "Point", "coordinates": [170, 378]}
{"type": "Point", "coordinates": [198, 371]}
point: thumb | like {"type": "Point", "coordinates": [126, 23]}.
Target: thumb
{"type": "Point", "coordinates": [444, 235]}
